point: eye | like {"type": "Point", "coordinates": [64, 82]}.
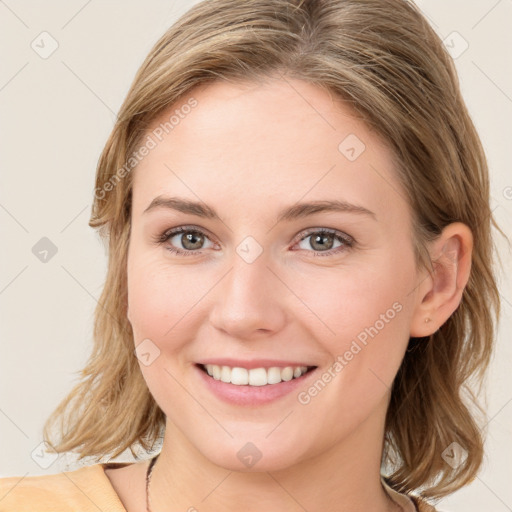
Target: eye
{"type": "Point", "coordinates": [323, 241]}
{"type": "Point", "coordinates": [184, 240]}
{"type": "Point", "coordinates": [189, 240]}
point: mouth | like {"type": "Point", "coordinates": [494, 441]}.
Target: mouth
{"type": "Point", "coordinates": [254, 377]}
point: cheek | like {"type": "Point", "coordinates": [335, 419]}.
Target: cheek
{"type": "Point", "coordinates": [368, 313]}
{"type": "Point", "coordinates": [348, 300]}
{"type": "Point", "coordinates": [161, 302]}
{"type": "Point", "coordinates": [159, 295]}
{"type": "Point", "coordinates": [363, 314]}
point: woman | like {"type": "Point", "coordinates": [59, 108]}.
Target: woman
{"type": "Point", "coordinates": [300, 276]}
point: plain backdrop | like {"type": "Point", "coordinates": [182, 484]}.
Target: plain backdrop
{"type": "Point", "coordinates": [65, 69]}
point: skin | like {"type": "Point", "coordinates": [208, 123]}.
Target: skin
{"type": "Point", "coordinates": [249, 150]}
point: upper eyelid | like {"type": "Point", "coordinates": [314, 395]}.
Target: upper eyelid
{"type": "Point", "coordinates": [309, 231]}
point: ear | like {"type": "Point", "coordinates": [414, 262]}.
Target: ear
{"type": "Point", "coordinates": [439, 292]}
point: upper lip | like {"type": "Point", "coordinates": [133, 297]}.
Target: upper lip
{"type": "Point", "coordinates": [252, 363]}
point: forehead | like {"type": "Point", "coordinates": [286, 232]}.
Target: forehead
{"type": "Point", "coordinates": [255, 144]}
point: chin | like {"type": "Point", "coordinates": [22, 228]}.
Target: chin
{"type": "Point", "coordinates": [259, 454]}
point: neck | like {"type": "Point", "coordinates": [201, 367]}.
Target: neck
{"type": "Point", "coordinates": [344, 477]}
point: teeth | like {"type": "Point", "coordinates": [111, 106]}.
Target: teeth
{"type": "Point", "coordinates": [239, 376]}
{"type": "Point", "coordinates": [255, 376]}
{"type": "Point", "coordinates": [287, 373]}
{"type": "Point", "coordinates": [274, 375]}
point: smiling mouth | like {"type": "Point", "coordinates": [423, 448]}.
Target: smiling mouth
{"type": "Point", "coordinates": [255, 376]}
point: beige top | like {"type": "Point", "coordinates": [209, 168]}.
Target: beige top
{"type": "Point", "coordinates": [88, 489]}
{"type": "Point", "coordinates": [408, 504]}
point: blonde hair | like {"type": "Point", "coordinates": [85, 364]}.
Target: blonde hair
{"type": "Point", "coordinates": [383, 58]}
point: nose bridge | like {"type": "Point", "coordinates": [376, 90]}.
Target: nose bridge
{"type": "Point", "coordinates": [248, 299]}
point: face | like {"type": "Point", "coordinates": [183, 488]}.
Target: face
{"type": "Point", "coordinates": [249, 278]}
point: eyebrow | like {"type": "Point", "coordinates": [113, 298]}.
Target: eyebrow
{"type": "Point", "coordinates": [296, 211]}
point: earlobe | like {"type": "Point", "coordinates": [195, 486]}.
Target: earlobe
{"type": "Point", "coordinates": [440, 293]}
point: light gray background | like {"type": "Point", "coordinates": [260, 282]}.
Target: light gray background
{"type": "Point", "coordinates": [56, 114]}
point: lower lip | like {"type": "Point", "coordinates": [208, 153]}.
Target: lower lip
{"type": "Point", "coordinates": [252, 395]}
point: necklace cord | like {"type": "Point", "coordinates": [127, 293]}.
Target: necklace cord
{"type": "Point", "coordinates": [148, 480]}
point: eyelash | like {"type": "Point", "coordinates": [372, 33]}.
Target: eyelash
{"type": "Point", "coordinates": [347, 241]}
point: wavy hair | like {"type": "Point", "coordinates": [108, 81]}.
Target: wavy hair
{"type": "Point", "coordinates": [383, 59]}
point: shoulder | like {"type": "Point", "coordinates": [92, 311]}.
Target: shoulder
{"type": "Point", "coordinates": [85, 489]}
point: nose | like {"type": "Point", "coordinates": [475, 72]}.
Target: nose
{"type": "Point", "coordinates": [250, 301]}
